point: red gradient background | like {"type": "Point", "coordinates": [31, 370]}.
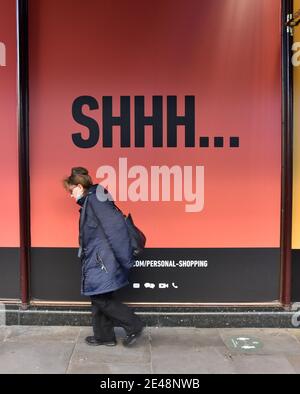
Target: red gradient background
{"type": "Point", "coordinates": [9, 196]}
{"type": "Point", "coordinates": [224, 52]}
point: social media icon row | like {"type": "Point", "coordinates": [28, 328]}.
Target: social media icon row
{"type": "Point", "coordinates": [152, 285]}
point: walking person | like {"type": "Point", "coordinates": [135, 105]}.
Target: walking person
{"type": "Point", "coordinates": [106, 257]}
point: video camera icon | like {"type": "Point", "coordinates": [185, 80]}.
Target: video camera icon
{"type": "Point", "coordinates": [163, 285]}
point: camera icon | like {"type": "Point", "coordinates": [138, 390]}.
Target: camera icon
{"type": "Point", "coordinates": [163, 285]}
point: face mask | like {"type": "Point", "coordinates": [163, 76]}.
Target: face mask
{"type": "Point", "coordinates": [79, 197]}
{"type": "Point", "coordinates": [77, 193]}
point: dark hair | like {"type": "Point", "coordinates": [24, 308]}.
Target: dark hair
{"type": "Point", "coordinates": [79, 176]}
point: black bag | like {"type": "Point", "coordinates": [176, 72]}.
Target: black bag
{"type": "Point", "coordinates": [138, 238]}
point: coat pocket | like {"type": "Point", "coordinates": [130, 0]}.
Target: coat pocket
{"type": "Point", "coordinates": [100, 262]}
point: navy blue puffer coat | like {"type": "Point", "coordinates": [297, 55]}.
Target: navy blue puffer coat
{"type": "Point", "coordinates": [107, 252]}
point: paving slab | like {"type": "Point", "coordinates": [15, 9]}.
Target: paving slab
{"type": "Point", "coordinates": [87, 367]}
{"type": "Point", "coordinates": [179, 350]}
{"type": "Point", "coordinates": [203, 361]}
{"type": "Point", "coordinates": [185, 336]}
{"type": "Point", "coordinates": [294, 333]}
{"type": "Point", "coordinates": [254, 364]}
{"type": "Point", "coordinates": [295, 363]}
{"type": "Point", "coordinates": [4, 332]}
{"type": "Point", "coordinates": [33, 357]}
{"type": "Point", "coordinates": [36, 333]}
{"type": "Point", "coordinates": [99, 358]}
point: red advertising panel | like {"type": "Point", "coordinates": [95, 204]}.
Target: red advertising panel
{"type": "Point", "coordinates": [9, 229]}
{"type": "Point", "coordinates": [9, 233]}
{"type": "Point", "coordinates": [175, 107]}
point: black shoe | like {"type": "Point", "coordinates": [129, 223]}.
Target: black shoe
{"type": "Point", "coordinates": [130, 339]}
{"type": "Point", "coordinates": [92, 341]}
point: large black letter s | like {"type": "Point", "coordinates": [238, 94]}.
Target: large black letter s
{"type": "Point", "coordinates": [84, 120]}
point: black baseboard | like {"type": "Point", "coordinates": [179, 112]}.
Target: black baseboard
{"type": "Point", "coordinates": [296, 275]}
{"type": "Point", "coordinates": [201, 317]}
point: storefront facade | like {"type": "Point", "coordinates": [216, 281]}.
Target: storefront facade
{"type": "Point", "coordinates": [187, 121]}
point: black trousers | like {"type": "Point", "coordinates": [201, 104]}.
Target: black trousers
{"type": "Point", "coordinates": [108, 312]}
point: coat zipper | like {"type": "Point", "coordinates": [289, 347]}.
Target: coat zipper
{"type": "Point", "coordinates": [101, 262]}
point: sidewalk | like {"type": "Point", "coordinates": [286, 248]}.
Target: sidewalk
{"type": "Point", "coordinates": [35, 349]}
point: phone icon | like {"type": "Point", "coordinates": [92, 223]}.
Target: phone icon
{"type": "Point", "coordinates": [175, 286]}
